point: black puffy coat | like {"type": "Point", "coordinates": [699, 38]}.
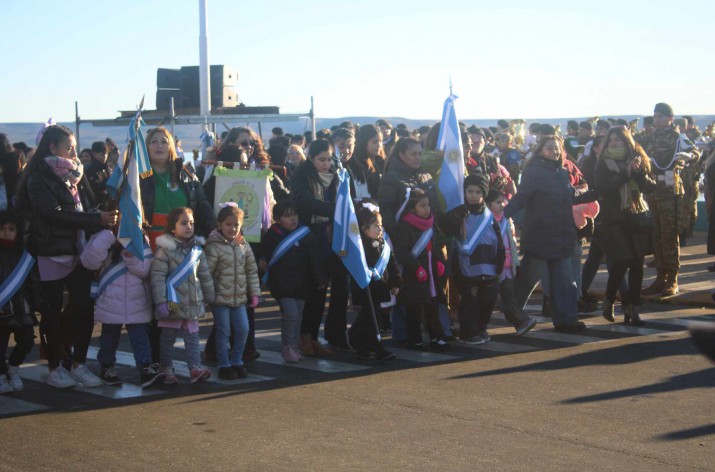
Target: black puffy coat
{"type": "Point", "coordinates": [393, 188]}
{"type": "Point", "coordinates": [414, 291]}
{"type": "Point", "coordinates": [547, 197]}
{"type": "Point", "coordinates": [52, 215]}
{"type": "Point", "coordinates": [305, 202]}
{"type": "Point", "coordinates": [379, 289]}
{"type": "Point", "coordinates": [190, 184]}
{"type": "Point", "coordinates": [97, 174]}
{"type": "Point", "coordinates": [299, 270]}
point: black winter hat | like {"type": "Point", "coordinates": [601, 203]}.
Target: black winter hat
{"type": "Point", "coordinates": [480, 180]}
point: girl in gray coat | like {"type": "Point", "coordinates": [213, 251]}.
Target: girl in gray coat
{"type": "Point", "coordinates": [181, 283]}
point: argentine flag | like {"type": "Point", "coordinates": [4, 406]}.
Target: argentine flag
{"type": "Point", "coordinates": [346, 233]}
{"type": "Point", "coordinates": [451, 178]}
{"type": "Point", "coordinates": [130, 227]}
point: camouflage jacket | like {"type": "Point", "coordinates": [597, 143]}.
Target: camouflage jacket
{"type": "Point", "coordinates": [660, 146]}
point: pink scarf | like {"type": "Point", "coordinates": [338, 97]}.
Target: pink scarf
{"type": "Point", "coordinates": [69, 170]}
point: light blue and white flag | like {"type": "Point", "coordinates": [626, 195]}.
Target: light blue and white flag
{"type": "Point", "coordinates": [208, 140]}
{"type": "Point", "coordinates": [451, 178]}
{"type": "Point", "coordinates": [16, 279]}
{"type": "Point", "coordinates": [346, 233]}
{"type": "Point", "coordinates": [130, 227]}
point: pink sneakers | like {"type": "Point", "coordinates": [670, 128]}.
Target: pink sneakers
{"type": "Point", "coordinates": [199, 374]}
{"type": "Point", "coordinates": [291, 354]}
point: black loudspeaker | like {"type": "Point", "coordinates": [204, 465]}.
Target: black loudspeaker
{"type": "Point", "coordinates": [222, 78]}
{"type": "Point", "coordinates": [163, 99]}
{"type": "Point", "coordinates": [168, 78]}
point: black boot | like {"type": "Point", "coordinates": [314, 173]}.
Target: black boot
{"type": "Point", "coordinates": [546, 306]}
{"type": "Point", "coordinates": [608, 309]}
{"type": "Point", "coordinates": [631, 316]}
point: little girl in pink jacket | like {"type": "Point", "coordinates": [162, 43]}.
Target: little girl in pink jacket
{"type": "Point", "coordinates": [123, 297]}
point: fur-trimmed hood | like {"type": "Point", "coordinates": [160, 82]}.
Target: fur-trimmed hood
{"type": "Point", "coordinates": [170, 243]}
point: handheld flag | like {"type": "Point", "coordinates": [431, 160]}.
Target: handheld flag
{"type": "Point", "coordinates": [451, 179]}
{"type": "Point", "coordinates": [124, 185]}
{"type": "Point", "coordinates": [346, 233]}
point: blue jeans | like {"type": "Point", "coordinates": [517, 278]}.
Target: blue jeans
{"type": "Point", "coordinates": [444, 319]}
{"type": "Point", "coordinates": [562, 287]}
{"type": "Point", "coordinates": [138, 337]}
{"type": "Point", "coordinates": [399, 324]}
{"type": "Point", "coordinates": [225, 317]}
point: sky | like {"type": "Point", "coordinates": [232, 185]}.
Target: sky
{"type": "Point", "coordinates": [510, 59]}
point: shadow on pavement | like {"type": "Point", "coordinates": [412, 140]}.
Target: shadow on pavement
{"type": "Point", "coordinates": [689, 433]}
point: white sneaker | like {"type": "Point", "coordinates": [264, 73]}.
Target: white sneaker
{"type": "Point", "coordinates": [13, 378]}
{"type": "Point", "coordinates": [60, 378]}
{"type": "Point", "coordinates": [82, 375]}
{"type": "Point", "coordinates": [5, 386]}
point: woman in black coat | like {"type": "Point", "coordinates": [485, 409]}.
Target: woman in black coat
{"type": "Point", "coordinates": [55, 198]}
{"type": "Point", "coordinates": [623, 175]}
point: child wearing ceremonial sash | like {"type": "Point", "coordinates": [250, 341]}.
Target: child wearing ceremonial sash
{"type": "Point", "coordinates": [386, 281]}
{"type": "Point", "coordinates": [16, 317]}
{"type": "Point", "coordinates": [123, 298]}
{"type": "Point", "coordinates": [295, 266]}
{"type": "Point", "coordinates": [511, 308]}
{"type": "Point", "coordinates": [478, 261]}
{"type": "Point", "coordinates": [423, 261]}
{"type": "Point", "coordinates": [181, 283]}
{"type": "Point", "coordinates": [235, 277]}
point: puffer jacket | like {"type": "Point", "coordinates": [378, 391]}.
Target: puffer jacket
{"type": "Point", "coordinates": [233, 269]}
{"type": "Point", "coordinates": [190, 184]}
{"type": "Point", "coordinates": [127, 300]}
{"type": "Point", "coordinates": [196, 290]}
{"type": "Point", "coordinates": [53, 218]}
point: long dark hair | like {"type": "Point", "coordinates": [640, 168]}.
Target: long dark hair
{"type": "Point", "coordinates": [361, 163]}
{"type": "Point", "coordinates": [259, 153]}
{"type": "Point", "coordinates": [400, 146]}
{"type": "Point", "coordinates": [53, 135]}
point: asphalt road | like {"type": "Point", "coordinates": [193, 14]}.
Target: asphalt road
{"type": "Point", "coordinates": [611, 398]}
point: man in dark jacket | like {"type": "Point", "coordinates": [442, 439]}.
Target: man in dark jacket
{"type": "Point", "coordinates": [97, 172]}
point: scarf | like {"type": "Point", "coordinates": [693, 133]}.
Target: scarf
{"type": "Point", "coordinates": [318, 187]}
{"type": "Point", "coordinates": [69, 170]}
{"type": "Point", "coordinates": [422, 224]}
{"type": "Point", "coordinates": [631, 196]}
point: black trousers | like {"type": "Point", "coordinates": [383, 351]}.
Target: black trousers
{"type": "Point", "coordinates": [77, 284]}
{"type": "Point", "coordinates": [24, 340]}
{"type": "Point", "coordinates": [362, 333]}
{"type": "Point", "coordinates": [336, 321]}
{"type": "Point", "coordinates": [478, 300]}
{"type": "Point", "coordinates": [635, 279]}
{"type": "Point", "coordinates": [427, 312]}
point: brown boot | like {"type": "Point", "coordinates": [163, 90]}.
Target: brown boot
{"type": "Point", "coordinates": [670, 287]}
{"type": "Point", "coordinates": [306, 345]}
{"type": "Point", "coordinates": [657, 286]}
{"type": "Point", "coordinates": [321, 349]}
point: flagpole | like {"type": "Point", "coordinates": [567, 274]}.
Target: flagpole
{"type": "Point", "coordinates": [374, 315]}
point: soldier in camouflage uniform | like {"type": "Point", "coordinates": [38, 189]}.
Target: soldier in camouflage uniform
{"type": "Point", "coordinates": [669, 154]}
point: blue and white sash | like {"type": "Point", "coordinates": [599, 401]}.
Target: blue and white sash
{"type": "Point", "coordinates": [484, 222]}
{"type": "Point", "coordinates": [284, 247]}
{"type": "Point", "coordinates": [182, 273]}
{"type": "Point", "coordinates": [505, 226]}
{"type": "Point", "coordinates": [381, 264]}
{"type": "Point", "coordinates": [17, 277]}
{"type": "Point", "coordinates": [112, 273]}
{"type": "Point", "coordinates": [422, 243]}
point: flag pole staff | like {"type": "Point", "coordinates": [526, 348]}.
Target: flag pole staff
{"type": "Point", "coordinates": [130, 154]}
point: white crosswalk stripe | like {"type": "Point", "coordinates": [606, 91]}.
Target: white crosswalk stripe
{"type": "Point", "coordinates": [504, 342]}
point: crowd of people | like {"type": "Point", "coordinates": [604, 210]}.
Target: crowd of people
{"type": "Point", "coordinates": [436, 274]}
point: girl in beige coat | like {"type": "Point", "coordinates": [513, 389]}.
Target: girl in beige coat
{"type": "Point", "coordinates": [181, 285]}
{"type": "Point", "coordinates": [235, 276]}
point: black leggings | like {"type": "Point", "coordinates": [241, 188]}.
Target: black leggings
{"type": "Point", "coordinates": [82, 323]}
{"type": "Point", "coordinates": [475, 309]}
{"type": "Point", "coordinates": [427, 311]}
{"type": "Point", "coordinates": [635, 279]}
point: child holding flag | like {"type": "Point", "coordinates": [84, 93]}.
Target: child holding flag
{"type": "Point", "coordinates": [235, 277]}
{"type": "Point", "coordinates": [15, 317]}
{"type": "Point", "coordinates": [479, 259]}
{"type": "Point", "coordinates": [181, 283]}
{"type": "Point", "coordinates": [291, 249]}
{"type": "Point", "coordinates": [385, 281]}
{"type": "Point", "coordinates": [423, 262]}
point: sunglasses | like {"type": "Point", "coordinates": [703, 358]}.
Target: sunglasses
{"type": "Point", "coordinates": [248, 143]}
